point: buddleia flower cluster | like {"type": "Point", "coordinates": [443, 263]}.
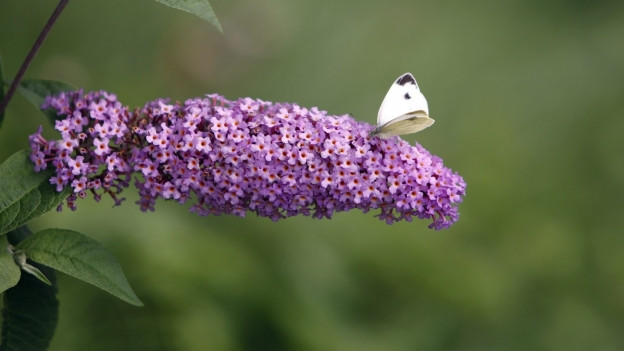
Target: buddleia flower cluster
{"type": "Point", "coordinates": [237, 156]}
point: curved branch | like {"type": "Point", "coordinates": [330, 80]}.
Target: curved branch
{"type": "Point", "coordinates": [20, 74]}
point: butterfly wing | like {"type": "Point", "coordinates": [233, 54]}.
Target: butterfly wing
{"type": "Point", "coordinates": [406, 124]}
{"type": "Point", "coordinates": [403, 97]}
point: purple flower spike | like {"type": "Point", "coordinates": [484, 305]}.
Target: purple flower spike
{"type": "Point", "coordinates": [230, 157]}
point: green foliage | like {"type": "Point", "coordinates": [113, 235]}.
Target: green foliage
{"type": "Point", "coordinates": [24, 193]}
{"type": "Point", "coordinates": [36, 90]}
{"type": "Point", "coordinates": [30, 314]}
{"type": "Point", "coordinates": [9, 271]}
{"type": "Point", "coordinates": [80, 257]}
{"type": "Point", "coordinates": [30, 308]}
{"type": "Point", "coordinates": [200, 8]}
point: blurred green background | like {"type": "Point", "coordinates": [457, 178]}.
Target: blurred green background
{"type": "Point", "coordinates": [528, 98]}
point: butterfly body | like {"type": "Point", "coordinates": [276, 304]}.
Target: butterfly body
{"type": "Point", "coordinates": [404, 110]}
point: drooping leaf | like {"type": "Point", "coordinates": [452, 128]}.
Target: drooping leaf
{"type": "Point", "coordinates": [36, 90]}
{"type": "Point", "coordinates": [24, 193]}
{"type": "Point", "coordinates": [30, 314]}
{"type": "Point", "coordinates": [80, 257]}
{"type": "Point", "coordinates": [9, 271]}
{"type": "Point", "coordinates": [200, 8]}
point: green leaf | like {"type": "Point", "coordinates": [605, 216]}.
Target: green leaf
{"type": "Point", "coordinates": [36, 90]}
{"type": "Point", "coordinates": [30, 314]}
{"type": "Point", "coordinates": [7, 218]}
{"type": "Point", "coordinates": [200, 8]}
{"type": "Point", "coordinates": [1, 89]}
{"type": "Point", "coordinates": [18, 178]}
{"type": "Point", "coordinates": [19, 210]}
{"type": "Point", "coordinates": [81, 257]}
{"type": "Point", "coordinates": [9, 271]}
{"type": "Point", "coordinates": [36, 203]}
{"type": "Point", "coordinates": [24, 193]}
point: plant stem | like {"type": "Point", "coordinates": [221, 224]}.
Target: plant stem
{"type": "Point", "coordinates": [20, 74]}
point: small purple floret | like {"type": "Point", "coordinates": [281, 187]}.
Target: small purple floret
{"type": "Point", "coordinates": [230, 157]}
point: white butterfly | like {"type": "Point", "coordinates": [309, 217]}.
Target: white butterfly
{"type": "Point", "coordinates": [404, 110]}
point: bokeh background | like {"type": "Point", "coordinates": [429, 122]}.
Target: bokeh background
{"type": "Point", "coordinates": [528, 98]}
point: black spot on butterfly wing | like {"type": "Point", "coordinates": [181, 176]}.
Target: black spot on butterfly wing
{"type": "Point", "coordinates": [406, 78]}
{"type": "Point", "coordinates": [407, 96]}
